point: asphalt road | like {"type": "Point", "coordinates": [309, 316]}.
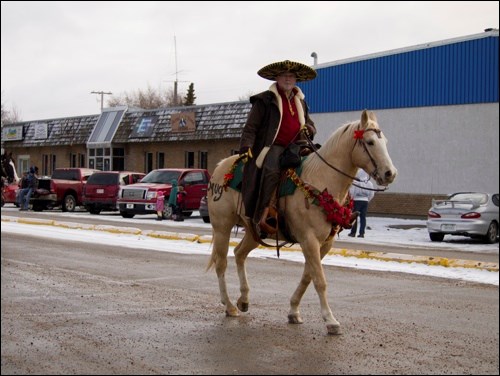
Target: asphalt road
{"type": "Point", "coordinates": [75, 308]}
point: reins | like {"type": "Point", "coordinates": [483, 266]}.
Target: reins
{"type": "Point", "coordinates": [362, 143]}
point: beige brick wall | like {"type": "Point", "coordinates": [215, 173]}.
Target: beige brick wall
{"type": "Point", "coordinates": [175, 153]}
{"type": "Point", "coordinates": [383, 204]}
{"type": "Point", "coordinates": [401, 204]}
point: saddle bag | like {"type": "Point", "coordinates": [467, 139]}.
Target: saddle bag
{"type": "Point", "coordinates": [290, 157]}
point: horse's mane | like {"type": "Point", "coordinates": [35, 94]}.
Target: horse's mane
{"type": "Point", "coordinates": [337, 141]}
{"type": "Point", "coordinates": [334, 142]}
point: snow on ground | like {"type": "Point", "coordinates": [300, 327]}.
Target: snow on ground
{"type": "Point", "coordinates": [383, 231]}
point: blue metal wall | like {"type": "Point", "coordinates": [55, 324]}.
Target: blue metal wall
{"type": "Point", "coordinates": [459, 73]}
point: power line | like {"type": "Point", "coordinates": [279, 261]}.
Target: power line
{"type": "Point", "coordinates": [102, 93]}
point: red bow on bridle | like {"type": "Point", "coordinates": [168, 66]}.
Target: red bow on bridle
{"type": "Point", "coordinates": [358, 135]}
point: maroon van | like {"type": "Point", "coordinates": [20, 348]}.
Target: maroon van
{"type": "Point", "coordinates": [103, 187]}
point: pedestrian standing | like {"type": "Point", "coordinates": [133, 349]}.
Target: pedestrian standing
{"type": "Point", "coordinates": [180, 204]}
{"type": "Point", "coordinates": [361, 193]}
{"type": "Point", "coordinates": [172, 199]}
{"type": "Point", "coordinates": [160, 205]}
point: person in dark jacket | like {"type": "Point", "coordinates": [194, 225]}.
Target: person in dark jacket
{"type": "Point", "coordinates": [32, 185]}
{"type": "Point", "coordinates": [277, 118]}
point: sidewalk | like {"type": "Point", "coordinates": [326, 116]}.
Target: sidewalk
{"type": "Point", "coordinates": [357, 242]}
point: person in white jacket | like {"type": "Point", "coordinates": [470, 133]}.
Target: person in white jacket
{"type": "Point", "coordinates": [361, 197]}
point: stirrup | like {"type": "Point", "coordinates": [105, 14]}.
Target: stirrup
{"type": "Point", "coordinates": [352, 219]}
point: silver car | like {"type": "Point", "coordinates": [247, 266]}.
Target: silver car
{"type": "Point", "coordinates": [204, 209]}
{"type": "Point", "coordinates": [472, 214]}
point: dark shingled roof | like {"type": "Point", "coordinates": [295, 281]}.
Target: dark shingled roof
{"type": "Point", "coordinates": [65, 131]}
{"type": "Point", "coordinates": [213, 122]}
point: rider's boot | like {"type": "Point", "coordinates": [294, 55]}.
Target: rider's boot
{"type": "Point", "coordinates": [268, 223]}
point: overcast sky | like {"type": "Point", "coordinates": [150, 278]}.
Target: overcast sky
{"type": "Point", "coordinates": [55, 53]}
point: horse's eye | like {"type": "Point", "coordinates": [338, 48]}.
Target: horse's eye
{"type": "Point", "coordinates": [370, 143]}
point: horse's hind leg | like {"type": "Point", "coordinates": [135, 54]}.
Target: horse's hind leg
{"type": "Point", "coordinates": [241, 252]}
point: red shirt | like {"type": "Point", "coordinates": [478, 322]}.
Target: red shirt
{"type": "Point", "coordinates": [290, 125]}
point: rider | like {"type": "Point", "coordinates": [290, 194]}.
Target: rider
{"type": "Point", "coordinates": [277, 117]}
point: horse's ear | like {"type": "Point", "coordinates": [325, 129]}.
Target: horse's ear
{"type": "Point", "coordinates": [372, 117]}
{"type": "Point", "coordinates": [364, 118]}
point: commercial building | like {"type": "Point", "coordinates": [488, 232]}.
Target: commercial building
{"type": "Point", "coordinates": [437, 103]}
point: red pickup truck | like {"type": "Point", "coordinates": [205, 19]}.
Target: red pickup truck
{"type": "Point", "coordinates": [64, 188]}
{"type": "Point", "coordinates": [140, 198]}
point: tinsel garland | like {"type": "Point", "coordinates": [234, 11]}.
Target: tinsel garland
{"type": "Point", "coordinates": [335, 213]}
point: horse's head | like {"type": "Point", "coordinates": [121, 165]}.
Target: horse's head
{"type": "Point", "coordinates": [370, 150]}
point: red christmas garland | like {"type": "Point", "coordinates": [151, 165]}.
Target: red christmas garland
{"type": "Point", "coordinates": [335, 213]}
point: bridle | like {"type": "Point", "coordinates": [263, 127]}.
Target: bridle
{"type": "Point", "coordinates": [359, 142]}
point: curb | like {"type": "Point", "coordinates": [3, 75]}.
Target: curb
{"type": "Point", "coordinates": [374, 255]}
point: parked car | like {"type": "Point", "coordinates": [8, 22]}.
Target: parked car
{"type": "Point", "coordinates": [103, 187]}
{"type": "Point", "coordinates": [472, 214]}
{"type": "Point", "coordinates": [140, 198]}
{"type": "Point", "coordinates": [204, 209]}
{"type": "Point", "coordinates": [9, 194]}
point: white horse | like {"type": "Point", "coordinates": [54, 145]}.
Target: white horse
{"type": "Point", "coordinates": [355, 145]}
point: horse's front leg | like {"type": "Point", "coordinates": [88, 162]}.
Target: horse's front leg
{"type": "Point", "coordinates": [312, 254]}
{"type": "Point", "coordinates": [294, 316]}
{"type": "Point", "coordinates": [241, 252]}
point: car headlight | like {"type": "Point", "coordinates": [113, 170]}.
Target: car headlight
{"type": "Point", "coordinates": [151, 195]}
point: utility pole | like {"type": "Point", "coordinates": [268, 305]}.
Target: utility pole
{"type": "Point", "coordinates": [102, 96]}
{"type": "Point", "coordinates": [176, 74]}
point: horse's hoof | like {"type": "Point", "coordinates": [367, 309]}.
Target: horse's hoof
{"type": "Point", "coordinates": [232, 312]}
{"type": "Point", "coordinates": [243, 307]}
{"type": "Point", "coordinates": [334, 329]}
{"type": "Point", "coordinates": [295, 319]}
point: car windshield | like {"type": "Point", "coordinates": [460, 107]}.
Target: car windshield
{"type": "Point", "coordinates": [480, 198]}
{"type": "Point", "coordinates": [161, 177]}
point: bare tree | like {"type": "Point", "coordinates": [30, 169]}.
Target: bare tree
{"type": "Point", "coordinates": [147, 99]}
{"type": "Point", "coordinates": [10, 116]}
{"type": "Point", "coordinates": [246, 96]}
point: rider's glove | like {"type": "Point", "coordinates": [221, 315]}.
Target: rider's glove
{"type": "Point", "coordinates": [245, 150]}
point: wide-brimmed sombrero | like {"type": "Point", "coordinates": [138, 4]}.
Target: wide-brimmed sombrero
{"type": "Point", "coordinates": [301, 71]}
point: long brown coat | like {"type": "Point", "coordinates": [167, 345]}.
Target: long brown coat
{"type": "Point", "coordinates": [259, 133]}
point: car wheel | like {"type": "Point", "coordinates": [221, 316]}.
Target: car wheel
{"type": "Point", "coordinates": [491, 235]}
{"type": "Point", "coordinates": [69, 203]}
{"type": "Point", "coordinates": [38, 207]}
{"type": "Point", "coordinates": [126, 215]}
{"type": "Point", "coordinates": [436, 236]}
{"type": "Point", "coordinates": [206, 219]}
{"type": "Point", "coordinates": [167, 212]}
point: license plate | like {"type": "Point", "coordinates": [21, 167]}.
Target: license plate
{"type": "Point", "coordinates": [448, 227]}
{"type": "Point", "coordinates": [130, 206]}
{"type": "Point", "coordinates": [100, 190]}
